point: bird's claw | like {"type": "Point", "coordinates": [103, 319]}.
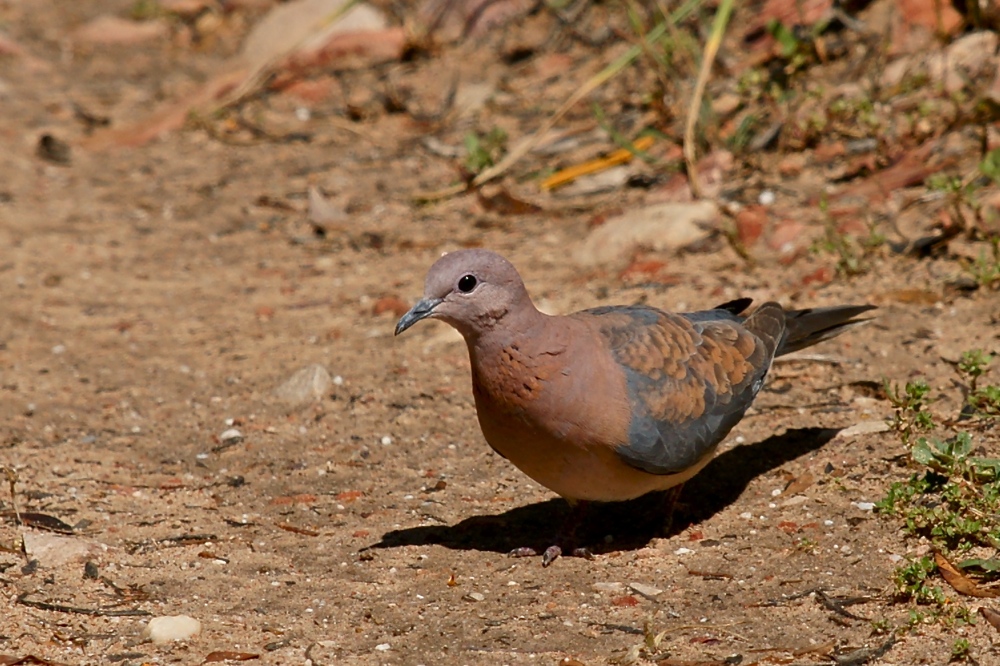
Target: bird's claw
{"type": "Point", "coordinates": [551, 554]}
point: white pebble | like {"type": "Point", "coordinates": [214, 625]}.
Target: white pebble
{"type": "Point", "coordinates": [828, 523]}
{"type": "Point", "coordinates": [338, 381]}
{"type": "Point", "coordinates": [231, 436]}
{"type": "Point", "coordinates": [382, 647]}
{"type": "Point", "coordinates": [386, 440]}
{"type": "Point", "coordinates": [766, 198]}
{"type": "Point", "coordinates": [865, 506]}
{"type": "Point", "coordinates": [645, 590]}
{"type": "Point", "coordinates": [683, 551]}
{"type": "Point", "coordinates": [303, 114]}
{"type": "Point", "coordinates": [169, 628]}
{"type": "Point", "coordinates": [59, 349]}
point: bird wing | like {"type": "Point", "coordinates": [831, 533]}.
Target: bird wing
{"type": "Point", "coordinates": [690, 377]}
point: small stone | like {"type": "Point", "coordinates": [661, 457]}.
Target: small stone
{"type": "Point", "coordinates": [168, 628]}
{"type": "Point", "coordinates": [231, 436]}
{"type": "Point", "coordinates": [306, 385]}
{"type": "Point", "coordinates": [864, 428]}
{"type": "Point", "coordinates": [53, 550]}
{"type": "Point", "coordinates": [865, 506]}
{"type": "Point", "coordinates": [645, 590]}
{"type": "Point", "coordinates": [383, 647]}
{"type": "Point", "coordinates": [683, 551]}
{"type": "Point", "coordinates": [475, 596]}
{"type": "Point", "coordinates": [386, 440]}
{"type": "Point", "coordinates": [608, 587]}
{"type": "Point", "coordinates": [662, 227]}
{"type": "Point", "coordinates": [90, 570]}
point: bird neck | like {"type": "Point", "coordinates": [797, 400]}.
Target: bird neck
{"type": "Point", "coordinates": [514, 328]}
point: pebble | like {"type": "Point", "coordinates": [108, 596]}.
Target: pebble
{"type": "Point", "coordinates": [475, 596]}
{"type": "Point", "coordinates": [683, 551]}
{"type": "Point", "coordinates": [54, 550]}
{"type": "Point", "coordinates": [608, 587]}
{"type": "Point", "coordinates": [305, 386]}
{"type": "Point", "coordinates": [865, 506]}
{"type": "Point", "coordinates": [645, 590]}
{"type": "Point", "coordinates": [231, 436]}
{"type": "Point", "coordinates": [169, 628]}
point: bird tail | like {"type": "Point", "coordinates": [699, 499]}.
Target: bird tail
{"type": "Point", "coordinates": [804, 328]}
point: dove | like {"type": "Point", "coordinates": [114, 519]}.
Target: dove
{"type": "Point", "coordinates": [610, 403]}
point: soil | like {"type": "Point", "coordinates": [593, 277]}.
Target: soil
{"type": "Point", "coordinates": [154, 298]}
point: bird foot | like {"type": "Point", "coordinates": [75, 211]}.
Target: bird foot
{"type": "Point", "coordinates": [551, 554]}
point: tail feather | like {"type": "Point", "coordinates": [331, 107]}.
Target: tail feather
{"type": "Point", "coordinates": [804, 328]}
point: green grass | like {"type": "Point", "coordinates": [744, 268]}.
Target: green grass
{"type": "Point", "coordinates": [951, 501]}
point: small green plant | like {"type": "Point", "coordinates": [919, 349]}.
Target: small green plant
{"type": "Point", "coordinates": [881, 626]}
{"type": "Point", "coordinates": [914, 581]}
{"type": "Point", "coordinates": [985, 270]}
{"type": "Point", "coordinates": [910, 408]}
{"type": "Point", "coordinates": [980, 400]}
{"type": "Point", "coordinates": [483, 151]}
{"type": "Point", "coordinates": [960, 649]}
{"type": "Point", "coordinates": [146, 10]}
{"type": "Point", "coordinates": [956, 503]}
{"type": "Point", "coordinates": [854, 253]}
{"type": "Point", "coordinates": [990, 166]}
{"type": "Point", "coordinates": [952, 501]}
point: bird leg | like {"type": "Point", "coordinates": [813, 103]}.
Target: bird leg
{"type": "Point", "coordinates": [567, 535]}
{"type": "Point", "coordinates": [670, 498]}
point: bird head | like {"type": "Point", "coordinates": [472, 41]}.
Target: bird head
{"type": "Point", "coordinates": [471, 290]}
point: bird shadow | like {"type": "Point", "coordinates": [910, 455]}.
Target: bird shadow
{"type": "Point", "coordinates": [631, 525]}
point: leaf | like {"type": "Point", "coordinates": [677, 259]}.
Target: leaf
{"type": "Point", "coordinates": [991, 616]}
{"type": "Point", "coordinates": [991, 565]}
{"type": "Point", "coordinates": [922, 452]}
{"type": "Point", "coordinates": [41, 521]}
{"type": "Point", "coordinates": [226, 655]}
{"type": "Point", "coordinates": [962, 583]}
{"type": "Point", "coordinates": [962, 445]}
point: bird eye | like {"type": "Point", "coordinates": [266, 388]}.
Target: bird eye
{"type": "Point", "coordinates": [467, 283]}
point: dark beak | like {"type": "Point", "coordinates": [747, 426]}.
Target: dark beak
{"type": "Point", "coordinates": [424, 308]}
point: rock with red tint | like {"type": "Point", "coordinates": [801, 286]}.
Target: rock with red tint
{"type": "Point", "coordinates": [820, 276]}
{"type": "Point", "coordinates": [750, 225]}
{"type": "Point", "coordinates": [786, 238]}
{"type": "Point", "coordinates": [392, 304]}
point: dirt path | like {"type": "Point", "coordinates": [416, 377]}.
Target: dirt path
{"type": "Point", "coordinates": [154, 298]}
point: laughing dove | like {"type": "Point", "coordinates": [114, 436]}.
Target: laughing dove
{"type": "Point", "coordinates": [610, 403]}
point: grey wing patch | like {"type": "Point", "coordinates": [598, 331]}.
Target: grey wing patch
{"type": "Point", "coordinates": [690, 379]}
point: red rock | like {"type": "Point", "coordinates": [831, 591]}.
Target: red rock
{"type": "Point", "coordinates": [820, 276]}
{"type": "Point", "coordinates": [750, 225]}
{"type": "Point", "coordinates": [311, 91]}
{"type": "Point", "coordinates": [626, 601]}
{"type": "Point", "coordinates": [785, 236]}
{"type": "Point", "coordinates": [392, 304]}
{"type": "Point", "coordinates": [828, 152]}
{"type": "Point", "coordinates": [792, 165]}
{"type": "Point", "coordinates": [940, 17]}
{"type": "Point", "coordinates": [303, 498]}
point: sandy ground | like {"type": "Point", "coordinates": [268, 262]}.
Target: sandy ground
{"type": "Point", "coordinates": [154, 298]}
